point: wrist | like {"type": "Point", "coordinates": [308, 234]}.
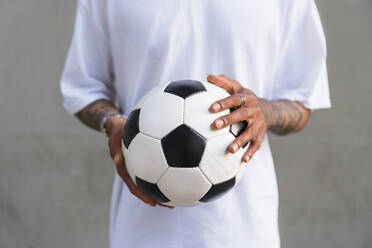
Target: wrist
{"type": "Point", "coordinates": [266, 109]}
{"type": "Point", "coordinates": [110, 121]}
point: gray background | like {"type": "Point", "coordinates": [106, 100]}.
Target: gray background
{"type": "Point", "coordinates": [56, 176]}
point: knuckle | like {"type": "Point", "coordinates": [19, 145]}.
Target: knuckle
{"type": "Point", "coordinates": [246, 112]}
{"type": "Point", "coordinates": [230, 103]}
{"type": "Point", "coordinates": [237, 99]}
{"type": "Point", "coordinates": [256, 145]}
{"type": "Point", "coordinates": [239, 141]}
{"type": "Point", "coordinates": [222, 104]}
{"type": "Point", "coordinates": [252, 147]}
{"type": "Point", "coordinates": [226, 120]}
{"type": "Point", "coordinates": [252, 132]}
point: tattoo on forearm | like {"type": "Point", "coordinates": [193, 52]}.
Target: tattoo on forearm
{"type": "Point", "coordinates": [93, 113]}
{"type": "Point", "coordinates": [288, 115]}
{"type": "Point", "coordinates": [283, 116]}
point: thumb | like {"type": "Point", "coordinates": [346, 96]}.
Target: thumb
{"type": "Point", "coordinates": [224, 82]}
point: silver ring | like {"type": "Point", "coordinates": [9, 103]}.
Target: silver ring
{"type": "Point", "coordinates": [243, 99]}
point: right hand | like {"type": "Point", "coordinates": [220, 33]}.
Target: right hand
{"type": "Point", "coordinates": [114, 128]}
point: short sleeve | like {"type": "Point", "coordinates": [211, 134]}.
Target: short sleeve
{"type": "Point", "coordinates": [88, 74]}
{"type": "Point", "coordinates": [301, 73]}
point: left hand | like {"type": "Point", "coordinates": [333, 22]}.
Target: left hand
{"type": "Point", "coordinates": [249, 111]}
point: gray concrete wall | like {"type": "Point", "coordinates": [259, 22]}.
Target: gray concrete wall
{"type": "Point", "coordinates": [55, 174]}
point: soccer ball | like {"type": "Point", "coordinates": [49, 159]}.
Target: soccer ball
{"type": "Point", "coordinates": [172, 153]}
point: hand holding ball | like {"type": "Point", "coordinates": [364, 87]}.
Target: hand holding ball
{"type": "Point", "coordinates": [171, 151]}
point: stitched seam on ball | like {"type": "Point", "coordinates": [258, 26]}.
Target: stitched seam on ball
{"type": "Point", "coordinates": [162, 175]}
{"type": "Point", "coordinates": [150, 136]}
{"type": "Point", "coordinates": [202, 172]}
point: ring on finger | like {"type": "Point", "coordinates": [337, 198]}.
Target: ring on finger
{"type": "Point", "coordinates": [242, 97]}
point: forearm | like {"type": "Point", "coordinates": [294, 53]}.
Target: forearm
{"type": "Point", "coordinates": [94, 112]}
{"type": "Point", "coordinates": [284, 116]}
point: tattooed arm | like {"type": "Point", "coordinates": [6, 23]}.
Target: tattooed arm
{"type": "Point", "coordinates": [284, 116]}
{"type": "Point", "coordinates": [92, 116]}
{"type": "Point", "coordinates": [93, 113]}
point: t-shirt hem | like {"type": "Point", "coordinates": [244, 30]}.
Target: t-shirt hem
{"type": "Point", "coordinates": [315, 105]}
{"type": "Point", "coordinates": [76, 106]}
{"type": "Point", "coordinates": [312, 104]}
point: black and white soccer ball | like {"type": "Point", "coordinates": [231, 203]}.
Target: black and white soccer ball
{"type": "Point", "coordinates": [171, 151]}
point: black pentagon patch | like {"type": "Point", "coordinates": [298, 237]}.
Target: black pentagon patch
{"type": "Point", "coordinates": [183, 147]}
{"type": "Point", "coordinates": [184, 88]}
{"type": "Point", "coordinates": [218, 190]}
{"type": "Point", "coordinates": [238, 128]}
{"type": "Point", "coordinates": [151, 190]}
{"type": "Point", "coordinates": [131, 128]}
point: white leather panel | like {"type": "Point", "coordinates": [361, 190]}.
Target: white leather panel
{"type": "Point", "coordinates": [216, 90]}
{"type": "Point", "coordinates": [198, 117]}
{"type": "Point", "coordinates": [128, 163]}
{"type": "Point", "coordinates": [145, 158]}
{"type": "Point", "coordinates": [160, 114]}
{"type": "Point", "coordinates": [184, 186]}
{"type": "Point", "coordinates": [217, 164]}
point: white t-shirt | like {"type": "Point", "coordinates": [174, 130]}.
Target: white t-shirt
{"type": "Point", "coordinates": [121, 49]}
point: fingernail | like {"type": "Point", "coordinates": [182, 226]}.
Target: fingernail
{"type": "Point", "coordinates": [210, 76]}
{"type": "Point", "coordinates": [219, 123]}
{"type": "Point", "coordinates": [216, 107]}
{"type": "Point", "coordinates": [235, 147]}
{"type": "Point", "coordinates": [247, 158]}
